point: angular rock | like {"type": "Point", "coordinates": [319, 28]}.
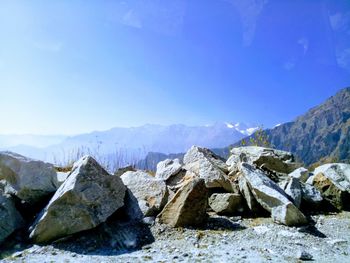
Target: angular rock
{"type": "Point", "coordinates": [311, 195]}
{"type": "Point", "coordinates": [293, 190]}
{"type": "Point", "coordinates": [87, 198]}
{"type": "Point", "coordinates": [266, 158]}
{"type": "Point", "coordinates": [168, 168]}
{"type": "Point", "coordinates": [226, 204]}
{"type": "Point", "coordinates": [338, 173]}
{"type": "Point", "coordinates": [150, 192]}
{"type": "Point", "coordinates": [301, 173]}
{"type": "Point", "coordinates": [10, 218]}
{"type": "Point", "coordinates": [170, 171]}
{"type": "Point", "coordinates": [32, 180]}
{"type": "Point", "coordinates": [188, 206]}
{"type": "Point", "coordinates": [271, 197]}
{"type": "Point", "coordinates": [207, 165]}
{"type": "Point", "coordinates": [337, 197]}
{"type": "Point", "coordinates": [252, 204]}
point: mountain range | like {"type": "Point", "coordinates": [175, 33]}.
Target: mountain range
{"type": "Point", "coordinates": [321, 134]}
{"type": "Point", "coordinates": [126, 144]}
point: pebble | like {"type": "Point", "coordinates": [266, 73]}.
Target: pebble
{"type": "Point", "coordinates": [303, 255]}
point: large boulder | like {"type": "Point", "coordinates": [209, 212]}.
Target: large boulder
{"type": "Point", "coordinates": [150, 192]}
{"type": "Point", "coordinates": [293, 189]}
{"type": "Point", "coordinates": [226, 203]}
{"type": "Point", "coordinates": [31, 180]}
{"type": "Point", "coordinates": [271, 197]}
{"type": "Point", "coordinates": [170, 171]}
{"type": "Point", "coordinates": [207, 165]}
{"type": "Point", "coordinates": [86, 198]}
{"type": "Point", "coordinates": [251, 202]}
{"type": "Point", "coordinates": [265, 158]}
{"type": "Point", "coordinates": [10, 218]}
{"type": "Point", "coordinates": [338, 173]}
{"type": "Point", "coordinates": [333, 181]}
{"type": "Point", "coordinates": [310, 195]}
{"type": "Point", "coordinates": [188, 206]}
{"type": "Point", "coordinates": [337, 197]}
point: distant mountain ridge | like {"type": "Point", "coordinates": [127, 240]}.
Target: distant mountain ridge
{"type": "Point", "coordinates": [321, 133]}
{"type": "Point", "coordinates": [133, 144]}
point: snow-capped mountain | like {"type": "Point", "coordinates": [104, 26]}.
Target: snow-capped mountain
{"type": "Point", "coordinates": [242, 128]}
{"type": "Point", "coordinates": [135, 142]}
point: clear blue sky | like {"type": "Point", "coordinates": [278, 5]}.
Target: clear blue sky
{"type": "Point", "coordinates": [76, 66]}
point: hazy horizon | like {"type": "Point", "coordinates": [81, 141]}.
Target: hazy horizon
{"type": "Point", "coordinates": [68, 68]}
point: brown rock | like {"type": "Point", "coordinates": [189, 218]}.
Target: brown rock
{"type": "Point", "coordinates": [188, 206]}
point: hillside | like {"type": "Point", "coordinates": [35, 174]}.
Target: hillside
{"type": "Point", "coordinates": [321, 133]}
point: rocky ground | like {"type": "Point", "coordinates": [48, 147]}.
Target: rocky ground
{"type": "Point", "coordinates": [222, 240]}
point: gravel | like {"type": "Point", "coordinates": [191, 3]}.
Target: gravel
{"type": "Point", "coordinates": [221, 240]}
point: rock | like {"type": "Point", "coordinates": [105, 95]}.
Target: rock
{"type": "Point", "coordinates": [288, 214]}
{"type": "Point", "coordinates": [301, 173]}
{"type": "Point", "coordinates": [150, 192]}
{"type": "Point", "coordinates": [87, 198]}
{"type": "Point", "coordinates": [226, 204]}
{"type": "Point", "coordinates": [170, 171]}
{"type": "Point", "coordinates": [303, 255]}
{"type": "Point", "coordinates": [338, 198]}
{"type": "Point", "coordinates": [188, 206]}
{"type": "Point", "coordinates": [338, 173]}
{"type": "Point", "coordinates": [31, 180]}
{"type": "Point", "coordinates": [293, 190]}
{"type": "Point", "coordinates": [252, 204]}
{"type": "Point", "coordinates": [207, 165]}
{"type": "Point", "coordinates": [269, 159]}
{"type": "Point", "coordinates": [271, 197]}
{"type": "Point", "coordinates": [123, 170]}
{"type": "Point", "coordinates": [10, 218]}
{"type": "Point", "coordinates": [311, 195]}
{"type": "Point", "coordinates": [131, 208]}
{"type": "Point", "coordinates": [168, 168]}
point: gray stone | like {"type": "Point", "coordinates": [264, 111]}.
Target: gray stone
{"type": "Point", "coordinates": [293, 189]}
{"type": "Point", "coordinates": [10, 218]}
{"type": "Point", "coordinates": [310, 194]}
{"type": "Point", "coordinates": [188, 206]}
{"type": "Point", "coordinates": [252, 203]}
{"type": "Point", "coordinates": [269, 159]}
{"type": "Point", "coordinates": [271, 197]}
{"type": "Point", "coordinates": [150, 192]}
{"type": "Point", "coordinates": [168, 168]}
{"type": "Point", "coordinates": [303, 255]}
{"type": "Point", "coordinates": [31, 180]}
{"type": "Point", "coordinates": [207, 165]}
{"type": "Point", "coordinates": [87, 198]}
{"type": "Point", "coordinates": [226, 203]}
{"type": "Point", "coordinates": [301, 173]}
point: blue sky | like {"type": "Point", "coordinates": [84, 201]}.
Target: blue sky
{"type": "Point", "coordinates": [69, 67]}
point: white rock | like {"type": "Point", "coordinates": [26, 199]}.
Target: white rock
{"type": "Point", "coordinates": [32, 180]}
{"type": "Point", "coordinates": [150, 192]}
{"type": "Point", "coordinates": [86, 198]}
{"type": "Point", "coordinates": [271, 197]}
{"type": "Point", "coordinates": [271, 159]}
{"type": "Point", "coordinates": [207, 165]}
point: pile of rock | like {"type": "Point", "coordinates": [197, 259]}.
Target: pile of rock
{"type": "Point", "coordinates": [253, 181]}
